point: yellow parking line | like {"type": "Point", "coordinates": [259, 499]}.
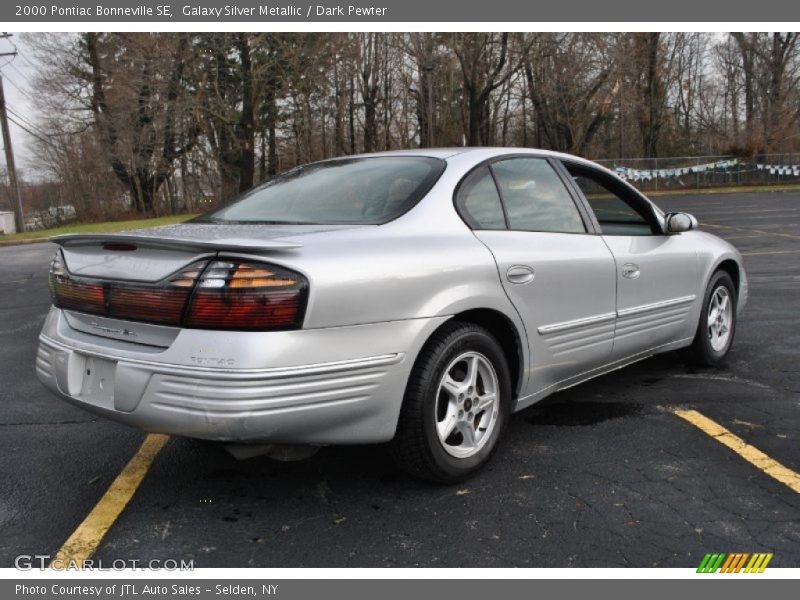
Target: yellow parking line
{"type": "Point", "coordinates": [87, 537]}
{"type": "Point", "coordinates": [750, 453]}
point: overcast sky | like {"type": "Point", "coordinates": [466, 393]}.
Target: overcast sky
{"type": "Point", "coordinates": [17, 73]}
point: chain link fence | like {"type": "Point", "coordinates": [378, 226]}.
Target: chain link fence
{"type": "Point", "coordinates": [696, 172]}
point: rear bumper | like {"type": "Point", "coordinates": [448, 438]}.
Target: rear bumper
{"type": "Point", "coordinates": [333, 398]}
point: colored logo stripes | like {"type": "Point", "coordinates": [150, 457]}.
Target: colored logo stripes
{"type": "Point", "coordinates": [734, 563]}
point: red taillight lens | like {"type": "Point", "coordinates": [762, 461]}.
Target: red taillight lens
{"type": "Point", "coordinates": [220, 295]}
{"type": "Point", "coordinates": [163, 306]}
{"type": "Point", "coordinates": [80, 296]}
{"type": "Point", "coordinates": [74, 295]}
{"type": "Point", "coordinates": [237, 295]}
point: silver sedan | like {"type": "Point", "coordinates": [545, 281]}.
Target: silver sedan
{"type": "Point", "coordinates": [416, 298]}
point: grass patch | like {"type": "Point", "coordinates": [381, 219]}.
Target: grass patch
{"type": "Point", "coordinates": [107, 226]}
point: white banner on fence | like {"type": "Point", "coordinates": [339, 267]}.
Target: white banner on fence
{"type": "Point", "coordinates": [649, 174]}
{"type": "Point", "coordinates": [793, 170]}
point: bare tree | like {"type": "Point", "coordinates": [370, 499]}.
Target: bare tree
{"type": "Point", "coordinates": [483, 58]}
{"type": "Point", "coordinates": [135, 95]}
{"type": "Point", "coordinates": [180, 121]}
{"type": "Point", "coordinates": [572, 82]}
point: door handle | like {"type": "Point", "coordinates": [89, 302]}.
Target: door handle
{"type": "Point", "coordinates": [630, 271]}
{"type": "Point", "coordinates": [520, 274]}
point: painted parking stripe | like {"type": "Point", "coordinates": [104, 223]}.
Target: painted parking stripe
{"type": "Point", "coordinates": [87, 537]}
{"type": "Point", "coordinates": [750, 453]}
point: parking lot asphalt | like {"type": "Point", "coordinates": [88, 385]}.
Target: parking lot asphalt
{"type": "Point", "coordinates": [603, 474]}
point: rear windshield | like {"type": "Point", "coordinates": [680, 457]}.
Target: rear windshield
{"type": "Point", "coordinates": [366, 191]}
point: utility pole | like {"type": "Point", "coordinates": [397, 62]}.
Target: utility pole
{"type": "Point", "coordinates": [428, 68]}
{"type": "Point", "coordinates": [12, 170]}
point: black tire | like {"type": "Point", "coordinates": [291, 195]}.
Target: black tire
{"type": "Point", "coordinates": [701, 353]}
{"type": "Point", "coordinates": [416, 447]}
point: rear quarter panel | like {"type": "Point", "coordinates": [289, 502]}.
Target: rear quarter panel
{"type": "Point", "coordinates": [386, 273]}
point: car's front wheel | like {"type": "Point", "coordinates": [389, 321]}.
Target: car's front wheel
{"type": "Point", "coordinates": [456, 405]}
{"type": "Point", "coordinates": [717, 325]}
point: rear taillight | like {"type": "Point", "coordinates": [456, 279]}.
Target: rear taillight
{"type": "Point", "coordinates": [163, 304]}
{"type": "Point", "coordinates": [74, 295]}
{"type": "Point", "coordinates": [245, 295]}
{"type": "Point", "coordinates": [221, 294]}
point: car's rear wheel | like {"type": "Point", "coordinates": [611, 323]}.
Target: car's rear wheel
{"type": "Point", "coordinates": [717, 326]}
{"type": "Point", "coordinates": [456, 405]}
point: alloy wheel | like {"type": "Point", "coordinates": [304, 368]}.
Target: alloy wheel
{"type": "Point", "coordinates": [467, 404]}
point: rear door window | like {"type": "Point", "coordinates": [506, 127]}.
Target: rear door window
{"type": "Point", "coordinates": [535, 197]}
{"type": "Point", "coordinates": [479, 202]}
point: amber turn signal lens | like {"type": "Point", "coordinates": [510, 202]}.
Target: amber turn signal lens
{"type": "Point", "coordinates": [244, 295]}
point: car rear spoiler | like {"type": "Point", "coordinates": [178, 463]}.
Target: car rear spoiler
{"type": "Point", "coordinates": [235, 244]}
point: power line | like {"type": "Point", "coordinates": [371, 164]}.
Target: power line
{"type": "Point", "coordinates": [36, 135]}
{"type": "Point", "coordinates": [18, 88]}
{"type": "Point", "coordinates": [27, 121]}
{"type": "Point", "coordinates": [21, 74]}
{"type": "Point", "coordinates": [26, 59]}
{"type": "Point", "coordinates": [12, 54]}
{"type": "Point", "coordinates": [16, 113]}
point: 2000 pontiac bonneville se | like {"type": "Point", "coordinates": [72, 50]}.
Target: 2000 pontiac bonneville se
{"type": "Point", "coordinates": [416, 298]}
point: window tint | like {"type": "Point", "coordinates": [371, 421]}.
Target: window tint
{"type": "Point", "coordinates": [479, 201]}
{"type": "Point", "coordinates": [614, 213]}
{"type": "Point", "coordinates": [535, 197]}
{"type": "Point", "coordinates": [354, 191]}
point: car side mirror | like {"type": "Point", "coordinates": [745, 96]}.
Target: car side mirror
{"type": "Point", "coordinates": [678, 222]}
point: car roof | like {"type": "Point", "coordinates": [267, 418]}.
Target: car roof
{"type": "Point", "coordinates": [484, 151]}
{"type": "Point", "coordinates": [426, 152]}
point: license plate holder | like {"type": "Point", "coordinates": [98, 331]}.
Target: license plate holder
{"type": "Point", "coordinates": [98, 381]}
